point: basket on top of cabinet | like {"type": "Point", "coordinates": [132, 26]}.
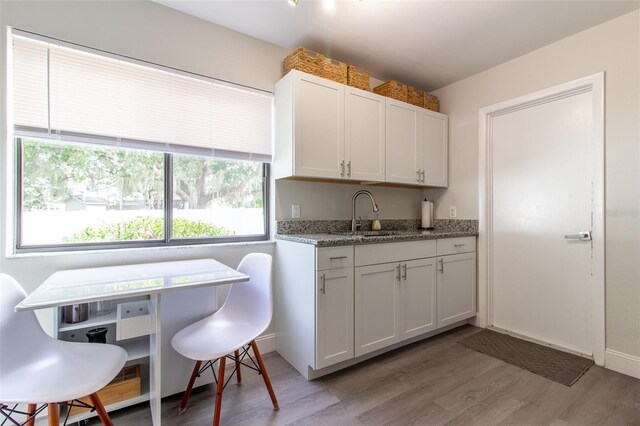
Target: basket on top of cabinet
{"type": "Point", "coordinates": [357, 78]}
{"type": "Point", "coordinates": [314, 63]}
{"type": "Point", "coordinates": [431, 102]}
{"type": "Point", "coordinates": [392, 89]}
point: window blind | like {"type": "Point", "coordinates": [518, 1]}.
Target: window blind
{"type": "Point", "coordinates": [83, 96]}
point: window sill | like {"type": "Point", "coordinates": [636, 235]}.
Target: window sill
{"type": "Point", "coordinates": [142, 250]}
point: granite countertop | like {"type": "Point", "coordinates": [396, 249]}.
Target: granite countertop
{"type": "Point", "coordinates": [368, 237]}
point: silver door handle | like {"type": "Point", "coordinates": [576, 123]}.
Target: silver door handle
{"type": "Point", "coordinates": [342, 168]}
{"type": "Point", "coordinates": [349, 168]}
{"type": "Point", "coordinates": [398, 268]}
{"type": "Point", "coordinates": [323, 288]}
{"type": "Point", "coordinates": [337, 257]}
{"type": "Point", "coordinates": [422, 176]}
{"type": "Point", "coordinates": [418, 179]}
{"type": "Point", "coordinates": [442, 266]}
{"type": "Point", "coordinates": [582, 236]}
{"type": "Point", "coordinates": [404, 269]}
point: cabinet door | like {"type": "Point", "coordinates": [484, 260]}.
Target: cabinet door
{"type": "Point", "coordinates": [456, 288]}
{"type": "Point", "coordinates": [417, 297]}
{"type": "Point", "coordinates": [364, 122]}
{"type": "Point", "coordinates": [334, 320]}
{"type": "Point", "coordinates": [319, 127]}
{"type": "Point", "coordinates": [435, 131]}
{"type": "Point", "coordinates": [376, 307]}
{"type": "Point", "coordinates": [404, 153]}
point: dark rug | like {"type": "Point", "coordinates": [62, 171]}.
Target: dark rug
{"type": "Point", "coordinates": [551, 363]}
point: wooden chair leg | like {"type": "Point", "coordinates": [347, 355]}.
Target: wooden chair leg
{"type": "Point", "coordinates": [219, 388]}
{"type": "Point", "coordinates": [187, 392]}
{"type": "Point", "coordinates": [238, 373]}
{"type": "Point", "coordinates": [31, 409]}
{"type": "Point", "coordinates": [265, 376]}
{"type": "Point", "coordinates": [102, 413]}
{"type": "Point", "coordinates": [52, 411]}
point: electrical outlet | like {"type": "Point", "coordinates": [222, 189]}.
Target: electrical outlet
{"type": "Point", "coordinates": [295, 211]}
{"type": "Point", "coordinates": [452, 212]}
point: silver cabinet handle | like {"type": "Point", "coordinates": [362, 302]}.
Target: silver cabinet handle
{"type": "Point", "coordinates": [404, 270]}
{"type": "Point", "coordinates": [342, 168]}
{"type": "Point", "coordinates": [398, 268]}
{"type": "Point", "coordinates": [349, 168]}
{"type": "Point", "coordinates": [582, 236]}
{"type": "Point", "coordinates": [442, 266]}
{"type": "Point", "coordinates": [323, 287]}
{"type": "Point", "coordinates": [337, 257]}
{"type": "Point", "coordinates": [418, 175]}
{"type": "Point", "coordinates": [422, 175]}
{"type": "Point", "coordinates": [459, 245]}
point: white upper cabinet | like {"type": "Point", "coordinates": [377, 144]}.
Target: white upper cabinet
{"type": "Point", "coordinates": [364, 122]}
{"type": "Point", "coordinates": [327, 130]}
{"type": "Point", "coordinates": [435, 136]}
{"type": "Point", "coordinates": [404, 148]}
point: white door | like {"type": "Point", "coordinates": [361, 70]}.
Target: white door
{"type": "Point", "coordinates": [542, 169]}
{"type": "Point", "coordinates": [417, 297]}
{"type": "Point", "coordinates": [404, 153]}
{"type": "Point", "coordinates": [319, 127]}
{"type": "Point", "coordinates": [364, 122]}
{"type": "Point", "coordinates": [376, 307]}
{"type": "Point", "coordinates": [334, 323]}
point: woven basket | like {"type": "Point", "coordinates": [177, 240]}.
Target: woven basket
{"type": "Point", "coordinates": [431, 102]}
{"type": "Point", "coordinates": [415, 96]}
{"type": "Point", "coordinates": [314, 63]}
{"type": "Point", "coordinates": [357, 78]}
{"type": "Point", "coordinates": [392, 89]}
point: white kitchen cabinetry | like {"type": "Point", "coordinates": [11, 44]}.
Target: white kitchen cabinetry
{"type": "Point", "coordinates": [404, 150]}
{"type": "Point", "coordinates": [456, 280]}
{"type": "Point", "coordinates": [336, 306]}
{"type": "Point", "coordinates": [334, 317]}
{"type": "Point", "coordinates": [328, 130]}
{"type": "Point", "coordinates": [394, 300]}
{"type": "Point", "coordinates": [417, 145]}
{"type": "Point", "coordinates": [364, 122]}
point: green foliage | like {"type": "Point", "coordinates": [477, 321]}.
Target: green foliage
{"type": "Point", "coordinates": [147, 228]}
{"type": "Point", "coordinates": [54, 172]}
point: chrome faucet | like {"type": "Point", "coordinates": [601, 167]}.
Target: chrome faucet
{"type": "Point", "coordinates": [354, 223]}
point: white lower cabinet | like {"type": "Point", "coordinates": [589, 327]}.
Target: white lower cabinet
{"type": "Point", "coordinates": [334, 316]}
{"type": "Point", "coordinates": [334, 304]}
{"type": "Point", "coordinates": [456, 288]}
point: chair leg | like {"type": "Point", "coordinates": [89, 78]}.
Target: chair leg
{"type": "Point", "coordinates": [31, 409]}
{"type": "Point", "coordinates": [219, 388]}
{"type": "Point", "coordinates": [102, 413]}
{"type": "Point", "coordinates": [52, 411]}
{"type": "Point", "coordinates": [265, 376]}
{"type": "Point", "coordinates": [238, 374]}
{"type": "Point", "coordinates": [187, 392]}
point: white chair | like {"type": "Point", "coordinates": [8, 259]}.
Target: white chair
{"type": "Point", "coordinates": [232, 329]}
{"type": "Point", "coordinates": [38, 369]}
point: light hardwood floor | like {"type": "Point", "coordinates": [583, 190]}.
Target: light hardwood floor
{"type": "Point", "coordinates": [434, 382]}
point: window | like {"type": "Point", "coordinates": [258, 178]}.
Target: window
{"type": "Point", "coordinates": [74, 195]}
{"type": "Point", "coordinates": [118, 154]}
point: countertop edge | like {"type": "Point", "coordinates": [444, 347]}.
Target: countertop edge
{"type": "Point", "coordinates": [323, 240]}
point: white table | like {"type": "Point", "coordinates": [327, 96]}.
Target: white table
{"type": "Point", "coordinates": [117, 282]}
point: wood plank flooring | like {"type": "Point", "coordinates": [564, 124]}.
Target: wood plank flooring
{"type": "Point", "coordinates": [434, 382]}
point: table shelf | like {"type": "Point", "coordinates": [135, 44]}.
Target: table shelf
{"type": "Point", "coordinates": [94, 321]}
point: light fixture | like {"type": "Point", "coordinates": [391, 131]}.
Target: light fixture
{"type": "Point", "coordinates": [293, 2]}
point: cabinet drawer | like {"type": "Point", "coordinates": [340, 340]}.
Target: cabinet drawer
{"type": "Point", "coordinates": [456, 245]}
{"type": "Point", "coordinates": [372, 254]}
{"type": "Point", "coordinates": [334, 257]}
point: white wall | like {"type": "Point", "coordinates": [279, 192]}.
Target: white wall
{"type": "Point", "coordinates": [613, 47]}
{"type": "Point", "coordinates": [320, 200]}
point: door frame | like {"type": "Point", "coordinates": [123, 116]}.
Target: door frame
{"type": "Point", "coordinates": [594, 84]}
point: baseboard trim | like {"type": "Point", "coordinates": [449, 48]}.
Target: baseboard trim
{"type": "Point", "coordinates": [622, 363]}
{"type": "Point", "coordinates": [266, 343]}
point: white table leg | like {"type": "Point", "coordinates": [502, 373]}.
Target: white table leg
{"type": "Point", "coordinates": [155, 393]}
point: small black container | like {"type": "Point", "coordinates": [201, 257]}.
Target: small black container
{"type": "Point", "coordinates": [97, 335]}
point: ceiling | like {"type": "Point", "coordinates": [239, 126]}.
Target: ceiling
{"type": "Point", "coordinates": [427, 44]}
